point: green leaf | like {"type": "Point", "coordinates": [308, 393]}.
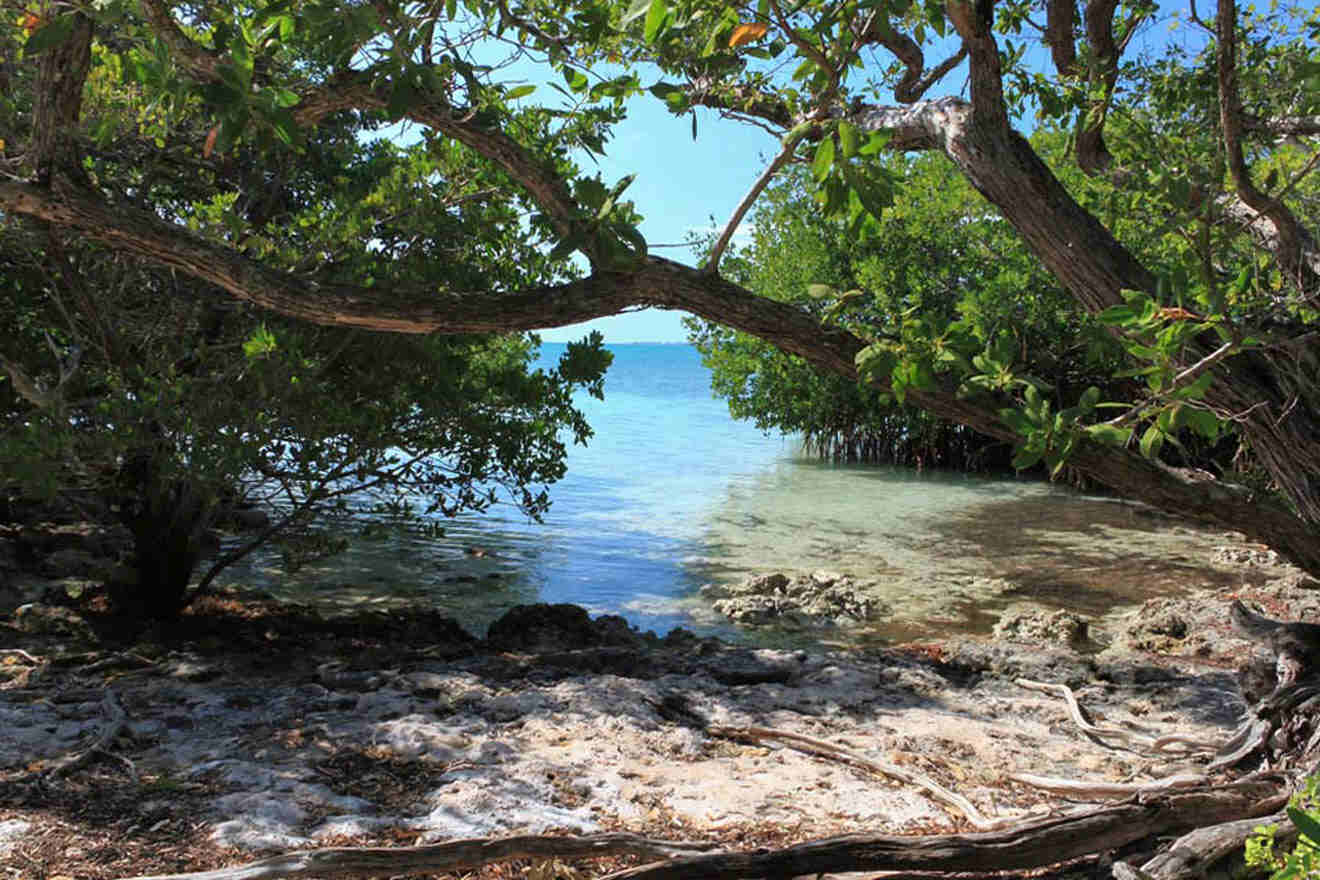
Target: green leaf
{"type": "Point", "coordinates": [576, 79]}
{"type": "Point", "coordinates": [821, 291]}
{"type": "Point", "coordinates": [1110, 435]}
{"type": "Point", "coordinates": [1017, 420]}
{"type": "Point", "coordinates": [876, 142]}
{"type": "Point", "coordinates": [1306, 824]}
{"type": "Point", "coordinates": [519, 92]}
{"type": "Point", "coordinates": [590, 192]}
{"type": "Point", "coordinates": [875, 360]}
{"type": "Point", "coordinates": [1203, 422]}
{"type": "Point", "coordinates": [50, 35]}
{"type": "Point", "coordinates": [636, 11]}
{"type": "Point", "coordinates": [260, 343]}
{"type": "Point", "coordinates": [1152, 441]}
{"type": "Point", "coordinates": [402, 96]}
{"type": "Point", "coordinates": [1025, 458]}
{"type": "Point", "coordinates": [569, 244]}
{"type": "Point", "coordinates": [1090, 397]}
{"type": "Point", "coordinates": [824, 161]}
{"type": "Point", "coordinates": [656, 17]}
{"type": "Point", "coordinates": [1117, 316]}
{"type": "Point", "coordinates": [849, 139]}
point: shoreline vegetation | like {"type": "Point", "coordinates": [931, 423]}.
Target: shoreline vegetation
{"type": "Point", "coordinates": [258, 727]}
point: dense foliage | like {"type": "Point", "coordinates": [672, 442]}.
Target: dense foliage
{"type": "Point", "coordinates": [1178, 214]}
{"type": "Point", "coordinates": [140, 394]}
{"type": "Point", "coordinates": [937, 265]}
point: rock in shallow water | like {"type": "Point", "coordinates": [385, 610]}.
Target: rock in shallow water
{"type": "Point", "coordinates": [1039, 626]}
{"type": "Point", "coordinates": [820, 599]}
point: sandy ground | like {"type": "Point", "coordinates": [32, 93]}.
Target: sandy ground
{"type": "Point", "coordinates": [258, 727]}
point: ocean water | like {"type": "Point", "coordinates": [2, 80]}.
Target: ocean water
{"type": "Point", "coordinates": [671, 493]}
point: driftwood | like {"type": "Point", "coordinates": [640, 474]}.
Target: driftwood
{"type": "Point", "coordinates": [453, 856]}
{"type": "Point", "coordinates": [1092, 791]}
{"type": "Point", "coordinates": [1274, 747]}
{"type": "Point", "coordinates": [1193, 854]}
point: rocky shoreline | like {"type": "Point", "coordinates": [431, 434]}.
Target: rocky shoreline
{"type": "Point", "coordinates": [259, 726]}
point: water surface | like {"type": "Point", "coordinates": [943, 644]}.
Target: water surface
{"type": "Point", "coordinates": [671, 493]}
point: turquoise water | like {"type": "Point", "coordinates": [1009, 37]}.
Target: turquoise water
{"type": "Point", "coordinates": [671, 493]}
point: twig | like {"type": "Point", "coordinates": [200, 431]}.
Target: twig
{"type": "Point", "coordinates": [124, 659]}
{"type": "Point", "coordinates": [22, 655]}
{"type": "Point", "coordinates": [118, 718]}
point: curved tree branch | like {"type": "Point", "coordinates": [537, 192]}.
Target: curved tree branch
{"type": "Point", "coordinates": [199, 61]}
{"type": "Point", "coordinates": [1290, 234]}
{"type": "Point", "coordinates": [913, 85]}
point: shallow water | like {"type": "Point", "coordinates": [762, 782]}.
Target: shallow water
{"type": "Point", "coordinates": [671, 493]}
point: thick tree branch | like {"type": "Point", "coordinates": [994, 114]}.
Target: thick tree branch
{"type": "Point", "coordinates": [1300, 126]}
{"type": "Point", "coordinates": [974, 21]}
{"type": "Point", "coordinates": [658, 282]}
{"type": "Point", "coordinates": [361, 90]}
{"type": "Point", "coordinates": [913, 85]}
{"type": "Point", "coordinates": [455, 856]}
{"type": "Point", "coordinates": [1092, 155]}
{"type": "Point", "coordinates": [199, 61]}
{"type": "Point", "coordinates": [61, 73]}
{"type": "Point", "coordinates": [1061, 35]}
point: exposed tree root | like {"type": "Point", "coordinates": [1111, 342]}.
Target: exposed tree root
{"type": "Point", "coordinates": [1130, 738]}
{"type": "Point", "coordinates": [117, 718]}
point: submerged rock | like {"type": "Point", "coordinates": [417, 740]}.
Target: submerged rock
{"type": "Point", "coordinates": [819, 599]}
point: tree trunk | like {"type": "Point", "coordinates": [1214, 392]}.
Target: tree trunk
{"type": "Point", "coordinates": [168, 518]}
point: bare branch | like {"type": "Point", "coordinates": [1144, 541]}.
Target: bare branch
{"type": "Point", "coordinates": [741, 100]}
{"type": "Point", "coordinates": [713, 261]}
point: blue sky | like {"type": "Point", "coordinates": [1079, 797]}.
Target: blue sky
{"type": "Point", "coordinates": [680, 185]}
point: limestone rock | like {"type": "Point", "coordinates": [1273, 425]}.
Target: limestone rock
{"type": "Point", "coordinates": [1039, 626]}
{"type": "Point", "coordinates": [820, 599]}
